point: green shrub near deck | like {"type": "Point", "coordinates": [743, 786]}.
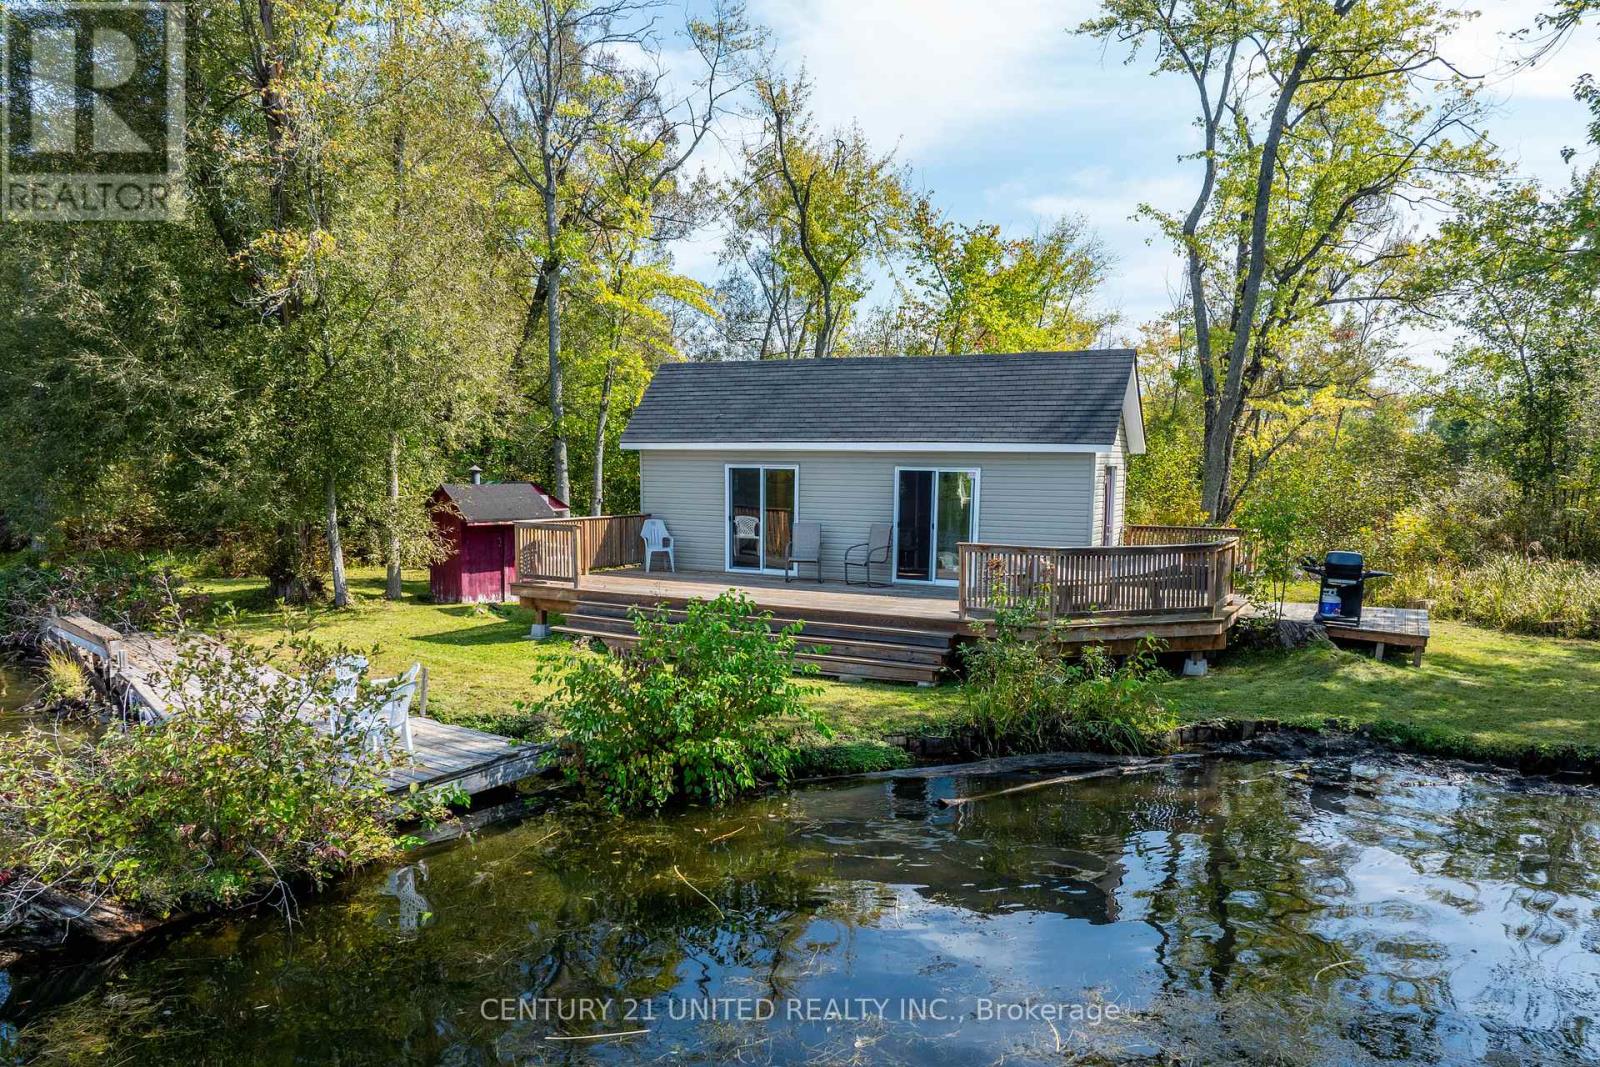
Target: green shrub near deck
{"type": "Point", "coordinates": [701, 709]}
{"type": "Point", "coordinates": [1025, 692]}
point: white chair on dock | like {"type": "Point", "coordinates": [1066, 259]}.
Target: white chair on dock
{"type": "Point", "coordinates": [392, 716]}
{"type": "Point", "coordinates": [656, 539]}
{"type": "Point", "coordinates": [347, 674]}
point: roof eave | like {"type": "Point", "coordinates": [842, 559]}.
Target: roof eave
{"type": "Point", "coordinates": [1046, 447]}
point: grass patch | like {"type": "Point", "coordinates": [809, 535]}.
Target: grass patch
{"type": "Point", "coordinates": [1487, 690]}
{"type": "Point", "coordinates": [480, 667]}
{"type": "Point", "coordinates": [1495, 692]}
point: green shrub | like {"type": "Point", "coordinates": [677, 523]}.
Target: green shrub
{"type": "Point", "coordinates": [849, 757]}
{"type": "Point", "coordinates": [124, 592]}
{"type": "Point", "coordinates": [1025, 693]}
{"type": "Point", "coordinates": [700, 709]}
{"type": "Point", "coordinates": [1507, 592]}
{"type": "Point", "coordinates": [233, 797]}
{"type": "Point", "coordinates": [64, 680]}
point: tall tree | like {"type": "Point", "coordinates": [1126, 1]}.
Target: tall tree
{"type": "Point", "coordinates": [1321, 122]}
{"type": "Point", "coordinates": [809, 214]}
{"type": "Point", "coordinates": [572, 92]}
{"type": "Point", "coordinates": [974, 289]}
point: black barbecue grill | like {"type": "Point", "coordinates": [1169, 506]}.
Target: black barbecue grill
{"type": "Point", "coordinates": [1344, 584]}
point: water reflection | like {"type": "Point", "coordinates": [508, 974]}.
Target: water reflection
{"type": "Point", "coordinates": [1257, 911]}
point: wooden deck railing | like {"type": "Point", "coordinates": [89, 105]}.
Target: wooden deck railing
{"type": "Point", "coordinates": [561, 551]}
{"type": "Point", "coordinates": [1178, 535]}
{"type": "Point", "coordinates": [1193, 535]}
{"type": "Point", "coordinates": [1086, 582]}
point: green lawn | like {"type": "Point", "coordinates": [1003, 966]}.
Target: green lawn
{"type": "Point", "coordinates": [1501, 691]}
{"type": "Point", "coordinates": [480, 664]}
{"type": "Point", "coordinates": [1494, 690]}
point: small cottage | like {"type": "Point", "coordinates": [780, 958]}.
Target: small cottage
{"type": "Point", "coordinates": [1025, 449]}
{"type": "Point", "coordinates": [478, 521]}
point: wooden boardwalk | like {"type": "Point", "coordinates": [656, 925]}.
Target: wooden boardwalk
{"type": "Point", "coordinates": [131, 668]}
{"type": "Point", "coordinates": [1383, 628]}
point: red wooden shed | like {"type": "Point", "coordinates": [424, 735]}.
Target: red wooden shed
{"type": "Point", "coordinates": [477, 520]}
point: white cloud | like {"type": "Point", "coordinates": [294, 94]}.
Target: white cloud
{"type": "Point", "coordinates": [924, 73]}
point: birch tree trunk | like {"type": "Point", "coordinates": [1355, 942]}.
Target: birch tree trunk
{"type": "Point", "coordinates": [394, 585]}
{"type": "Point", "coordinates": [552, 315]}
{"type": "Point", "coordinates": [597, 499]}
{"type": "Point", "coordinates": [341, 588]}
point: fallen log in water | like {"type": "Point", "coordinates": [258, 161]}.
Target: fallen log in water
{"type": "Point", "coordinates": [1103, 772]}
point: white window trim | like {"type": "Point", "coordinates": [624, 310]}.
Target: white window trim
{"type": "Point", "coordinates": [894, 530]}
{"type": "Point", "coordinates": [727, 513]}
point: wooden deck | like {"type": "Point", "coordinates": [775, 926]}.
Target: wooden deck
{"type": "Point", "coordinates": [932, 606]}
{"type": "Point", "coordinates": [132, 668]}
{"type": "Point", "coordinates": [905, 633]}
{"type": "Point", "coordinates": [1382, 628]}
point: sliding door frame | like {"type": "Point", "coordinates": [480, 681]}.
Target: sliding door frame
{"type": "Point", "coordinates": [727, 513]}
{"type": "Point", "coordinates": [933, 523]}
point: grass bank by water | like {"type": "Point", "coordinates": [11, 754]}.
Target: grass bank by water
{"type": "Point", "coordinates": [1478, 690]}
{"type": "Point", "coordinates": [481, 665]}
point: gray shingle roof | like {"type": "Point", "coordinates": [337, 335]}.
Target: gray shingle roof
{"type": "Point", "coordinates": [1060, 398]}
{"type": "Point", "coordinates": [501, 501]}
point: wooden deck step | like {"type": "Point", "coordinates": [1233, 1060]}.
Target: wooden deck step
{"type": "Point", "coordinates": [840, 631]}
{"type": "Point", "coordinates": [820, 644]}
{"type": "Point", "coordinates": [848, 649]}
{"type": "Point", "coordinates": [841, 611]}
{"type": "Point", "coordinates": [828, 664]}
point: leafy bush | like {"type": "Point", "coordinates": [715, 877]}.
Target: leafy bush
{"type": "Point", "coordinates": [231, 798]}
{"type": "Point", "coordinates": [700, 709]}
{"type": "Point", "coordinates": [124, 592]}
{"type": "Point", "coordinates": [849, 757]}
{"type": "Point", "coordinates": [1025, 693]}
{"type": "Point", "coordinates": [1508, 592]}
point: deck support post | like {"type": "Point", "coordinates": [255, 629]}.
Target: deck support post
{"type": "Point", "coordinates": [1377, 651]}
{"type": "Point", "coordinates": [541, 628]}
{"type": "Point", "coordinates": [1195, 666]}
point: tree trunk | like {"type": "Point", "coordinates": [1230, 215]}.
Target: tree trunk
{"type": "Point", "coordinates": [1222, 431]}
{"type": "Point", "coordinates": [597, 499]}
{"type": "Point", "coordinates": [289, 574]}
{"type": "Point", "coordinates": [393, 587]}
{"type": "Point", "coordinates": [341, 588]}
{"type": "Point", "coordinates": [552, 315]}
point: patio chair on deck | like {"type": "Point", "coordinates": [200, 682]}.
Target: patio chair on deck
{"type": "Point", "coordinates": [874, 550]}
{"type": "Point", "coordinates": [656, 539]}
{"type": "Point", "coordinates": [805, 546]}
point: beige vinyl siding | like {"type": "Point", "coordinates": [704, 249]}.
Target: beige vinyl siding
{"type": "Point", "coordinates": [1117, 457]}
{"type": "Point", "coordinates": [1028, 499]}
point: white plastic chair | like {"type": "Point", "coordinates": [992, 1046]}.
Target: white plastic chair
{"type": "Point", "coordinates": [656, 539]}
{"type": "Point", "coordinates": [392, 715]}
{"type": "Point", "coordinates": [391, 718]}
{"type": "Point", "coordinates": [347, 674]}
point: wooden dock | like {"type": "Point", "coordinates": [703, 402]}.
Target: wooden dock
{"type": "Point", "coordinates": [1382, 628]}
{"type": "Point", "coordinates": [130, 668]}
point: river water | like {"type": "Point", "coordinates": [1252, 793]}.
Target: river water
{"type": "Point", "coordinates": [16, 689]}
{"type": "Point", "coordinates": [1225, 911]}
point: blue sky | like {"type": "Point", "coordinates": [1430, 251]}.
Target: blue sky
{"type": "Point", "coordinates": [1007, 116]}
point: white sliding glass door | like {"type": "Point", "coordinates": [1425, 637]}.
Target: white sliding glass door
{"type": "Point", "coordinates": [934, 511]}
{"type": "Point", "coordinates": [761, 505]}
